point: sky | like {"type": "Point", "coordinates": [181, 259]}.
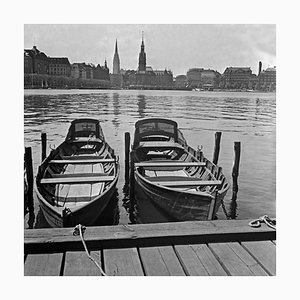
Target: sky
{"type": "Point", "coordinates": [177, 47]}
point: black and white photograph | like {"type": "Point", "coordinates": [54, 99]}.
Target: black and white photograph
{"type": "Point", "coordinates": [151, 144]}
{"type": "Point", "coordinates": [156, 144]}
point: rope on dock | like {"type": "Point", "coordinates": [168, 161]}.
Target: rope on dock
{"type": "Point", "coordinates": [263, 219]}
{"type": "Point", "coordinates": [78, 231]}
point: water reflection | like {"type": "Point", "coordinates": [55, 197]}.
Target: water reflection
{"type": "Point", "coordinates": [141, 105]}
{"type": "Point", "coordinates": [116, 110]}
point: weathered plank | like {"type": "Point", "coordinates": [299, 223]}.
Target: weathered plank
{"type": "Point", "coordinates": [160, 261]}
{"type": "Point", "coordinates": [77, 263]}
{"type": "Point", "coordinates": [43, 264]}
{"type": "Point", "coordinates": [236, 260]}
{"type": "Point", "coordinates": [198, 260]}
{"type": "Point", "coordinates": [122, 262]}
{"type": "Point", "coordinates": [81, 160]}
{"type": "Point", "coordinates": [191, 232]}
{"type": "Point", "coordinates": [265, 253]}
{"type": "Point", "coordinates": [169, 164]}
{"type": "Point", "coordinates": [76, 180]}
{"type": "Point", "coordinates": [186, 183]}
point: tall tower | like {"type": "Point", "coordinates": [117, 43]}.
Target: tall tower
{"type": "Point", "coordinates": [116, 61]}
{"type": "Point", "coordinates": [259, 67]}
{"type": "Point", "coordinates": [142, 56]}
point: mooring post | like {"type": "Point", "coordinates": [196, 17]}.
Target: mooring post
{"type": "Point", "coordinates": [218, 135]}
{"type": "Point", "coordinates": [44, 145]}
{"type": "Point", "coordinates": [235, 174]}
{"type": "Point", "coordinates": [131, 183]}
{"type": "Point", "coordinates": [127, 151]}
{"type": "Point", "coordinates": [29, 175]}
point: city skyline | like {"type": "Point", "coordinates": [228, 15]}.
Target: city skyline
{"type": "Point", "coordinates": [177, 47]}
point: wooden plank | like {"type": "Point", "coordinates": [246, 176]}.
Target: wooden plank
{"type": "Point", "coordinates": [265, 253]}
{"type": "Point", "coordinates": [80, 160]}
{"type": "Point", "coordinates": [75, 180]}
{"type": "Point", "coordinates": [160, 145]}
{"type": "Point", "coordinates": [75, 175]}
{"type": "Point", "coordinates": [77, 263]}
{"type": "Point", "coordinates": [160, 261]}
{"type": "Point", "coordinates": [189, 232]}
{"type": "Point", "coordinates": [170, 164]}
{"type": "Point", "coordinates": [198, 260]}
{"type": "Point", "coordinates": [43, 264]}
{"type": "Point", "coordinates": [236, 260]}
{"type": "Point", "coordinates": [122, 262]}
{"type": "Point", "coordinates": [186, 183]}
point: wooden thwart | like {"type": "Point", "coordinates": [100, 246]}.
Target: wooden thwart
{"type": "Point", "coordinates": [76, 180]}
{"type": "Point", "coordinates": [186, 183]}
{"type": "Point", "coordinates": [81, 160]}
{"type": "Point", "coordinates": [170, 164]}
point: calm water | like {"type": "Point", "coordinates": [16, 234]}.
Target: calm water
{"type": "Point", "coordinates": [246, 117]}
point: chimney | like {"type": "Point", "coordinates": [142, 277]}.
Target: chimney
{"type": "Point", "coordinates": [259, 67]}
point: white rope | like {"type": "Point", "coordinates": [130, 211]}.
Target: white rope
{"type": "Point", "coordinates": [263, 219]}
{"type": "Point", "coordinates": [77, 229]}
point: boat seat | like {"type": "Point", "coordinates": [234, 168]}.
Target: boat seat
{"type": "Point", "coordinates": [81, 160]}
{"type": "Point", "coordinates": [176, 181]}
{"type": "Point", "coordinates": [75, 180]}
{"type": "Point", "coordinates": [170, 164]}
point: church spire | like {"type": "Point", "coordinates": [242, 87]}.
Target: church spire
{"type": "Point", "coordinates": [116, 60]}
{"type": "Point", "coordinates": [142, 56]}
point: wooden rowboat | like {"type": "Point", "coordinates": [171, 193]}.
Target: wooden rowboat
{"type": "Point", "coordinates": [179, 181]}
{"type": "Point", "coordinates": [77, 180]}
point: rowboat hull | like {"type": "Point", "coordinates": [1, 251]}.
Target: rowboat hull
{"type": "Point", "coordinates": [86, 215]}
{"type": "Point", "coordinates": [179, 181]}
{"type": "Point", "coordinates": [76, 182]}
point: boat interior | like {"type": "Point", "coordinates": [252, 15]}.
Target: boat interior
{"type": "Point", "coordinates": [78, 173]}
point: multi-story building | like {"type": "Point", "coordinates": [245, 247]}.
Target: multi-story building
{"type": "Point", "coordinates": [59, 66]}
{"type": "Point", "coordinates": [194, 77]}
{"type": "Point", "coordinates": [101, 72]}
{"type": "Point", "coordinates": [28, 63]}
{"type": "Point", "coordinates": [267, 79]}
{"type": "Point", "coordinates": [145, 76]}
{"type": "Point", "coordinates": [181, 81]}
{"type": "Point", "coordinates": [40, 61]}
{"type": "Point", "coordinates": [237, 77]}
{"type": "Point", "coordinates": [78, 70]}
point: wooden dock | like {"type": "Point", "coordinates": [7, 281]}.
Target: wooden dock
{"type": "Point", "coordinates": [207, 248]}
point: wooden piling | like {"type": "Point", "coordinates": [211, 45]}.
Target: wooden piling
{"type": "Point", "coordinates": [127, 152]}
{"type": "Point", "coordinates": [29, 175]}
{"type": "Point", "coordinates": [235, 174]}
{"type": "Point", "coordinates": [218, 135]}
{"type": "Point", "coordinates": [44, 145]}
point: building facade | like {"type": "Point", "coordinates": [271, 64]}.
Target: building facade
{"type": "Point", "coordinates": [59, 66]}
{"type": "Point", "coordinates": [267, 79]}
{"type": "Point", "coordinates": [39, 62]}
{"type": "Point", "coordinates": [237, 77]}
{"type": "Point", "coordinates": [101, 72]}
{"type": "Point", "coordinates": [181, 81]}
{"type": "Point", "coordinates": [78, 71]}
{"type": "Point", "coordinates": [145, 77]}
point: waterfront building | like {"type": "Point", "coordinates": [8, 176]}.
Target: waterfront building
{"type": "Point", "coordinates": [237, 77]}
{"type": "Point", "coordinates": [267, 79]}
{"type": "Point", "coordinates": [203, 78]}
{"type": "Point", "coordinates": [28, 63]}
{"type": "Point", "coordinates": [181, 81]}
{"type": "Point", "coordinates": [59, 66]}
{"type": "Point", "coordinates": [145, 76]}
{"type": "Point", "coordinates": [78, 70]}
{"type": "Point", "coordinates": [101, 72]}
{"type": "Point", "coordinates": [194, 77]}
{"type": "Point", "coordinates": [40, 62]}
